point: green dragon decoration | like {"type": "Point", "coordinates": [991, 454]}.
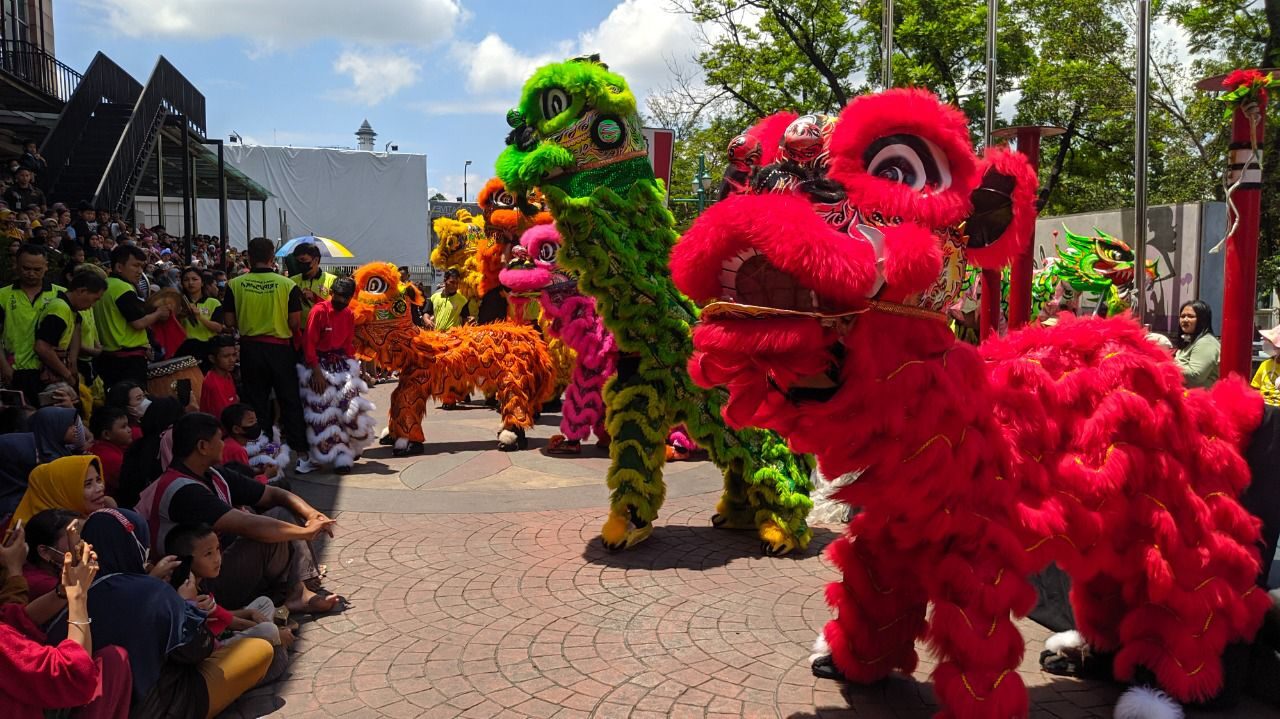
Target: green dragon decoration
{"type": "Point", "coordinates": [576, 136]}
{"type": "Point", "coordinates": [1098, 264]}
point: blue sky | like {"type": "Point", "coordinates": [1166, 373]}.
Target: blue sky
{"type": "Point", "coordinates": [432, 76]}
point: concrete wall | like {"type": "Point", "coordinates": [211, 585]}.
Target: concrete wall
{"type": "Point", "coordinates": [1178, 238]}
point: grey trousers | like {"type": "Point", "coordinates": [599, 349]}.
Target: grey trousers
{"type": "Point", "coordinates": [252, 569]}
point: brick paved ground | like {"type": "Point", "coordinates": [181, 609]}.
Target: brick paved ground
{"type": "Point", "coordinates": [484, 613]}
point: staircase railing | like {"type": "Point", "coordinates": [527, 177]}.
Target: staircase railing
{"type": "Point", "coordinates": [103, 81]}
{"type": "Point", "coordinates": [167, 92]}
{"type": "Point", "coordinates": [38, 69]}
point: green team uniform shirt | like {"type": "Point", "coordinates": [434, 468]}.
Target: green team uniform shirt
{"type": "Point", "coordinates": [321, 285]}
{"type": "Point", "coordinates": [57, 324]}
{"type": "Point", "coordinates": [449, 312]}
{"type": "Point", "coordinates": [19, 315]}
{"type": "Point", "coordinates": [210, 309]}
{"type": "Point", "coordinates": [262, 301]}
{"type": "Point", "coordinates": [113, 313]}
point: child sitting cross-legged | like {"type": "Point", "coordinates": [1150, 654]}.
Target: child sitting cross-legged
{"type": "Point", "coordinates": [200, 543]}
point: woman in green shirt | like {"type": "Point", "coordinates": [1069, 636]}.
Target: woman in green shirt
{"type": "Point", "coordinates": [1197, 348]}
{"type": "Point", "coordinates": [201, 318]}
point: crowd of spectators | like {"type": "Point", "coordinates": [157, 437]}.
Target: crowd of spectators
{"type": "Point", "coordinates": [151, 551]}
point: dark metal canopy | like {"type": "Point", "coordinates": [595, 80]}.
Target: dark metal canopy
{"type": "Point", "coordinates": [205, 162]}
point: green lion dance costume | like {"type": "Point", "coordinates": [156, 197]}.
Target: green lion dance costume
{"type": "Point", "coordinates": [576, 136]}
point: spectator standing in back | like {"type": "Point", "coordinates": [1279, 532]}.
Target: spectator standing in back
{"type": "Point", "coordinates": [31, 158]}
{"type": "Point", "coordinates": [447, 307]}
{"type": "Point", "coordinates": [24, 193]}
{"type": "Point", "coordinates": [21, 304]}
{"type": "Point", "coordinates": [266, 308]}
{"type": "Point", "coordinates": [315, 283]}
{"type": "Point", "coordinates": [122, 320]}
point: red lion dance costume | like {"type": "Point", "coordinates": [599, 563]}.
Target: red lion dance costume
{"type": "Point", "coordinates": [826, 282]}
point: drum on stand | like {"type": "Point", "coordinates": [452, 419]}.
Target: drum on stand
{"type": "Point", "coordinates": [163, 377]}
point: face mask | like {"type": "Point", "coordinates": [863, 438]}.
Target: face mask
{"type": "Point", "coordinates": [252, 433]}
{"type": "Point", "coordinates": [141, 409]}
{"type": "Point", "coordinates": [222, 283]}
{"type": "Point", "coordinates": [1269, 349]}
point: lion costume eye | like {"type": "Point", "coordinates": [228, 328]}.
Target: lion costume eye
{"type": "Point", "coordinates": [554, 101]}
{"type": "Point", "coordinates": [505, 199]}
{"type": "Point", "coordinates": [547, 253]}
{"type": "Point", "coordinates": [910, 160]}
{"type": "Point", "coordinates": [375, 285]}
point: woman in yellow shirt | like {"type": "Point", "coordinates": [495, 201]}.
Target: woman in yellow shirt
{"type": "Point", "coordinates": [1267, 379]}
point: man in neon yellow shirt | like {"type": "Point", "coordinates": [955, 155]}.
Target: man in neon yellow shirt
{"type": "Point", "coordinates": [315, 283]}
{"type": "Point", "coordinates": [447, 308]}
{"type": "Point", "coordinates": [20, 304]}
{"type": "Point", "coordinates": [266, 308]}
{"type": "Point", "coordinates": [58, 333]}
{"type": "Point", "coordinates": [122, 320]}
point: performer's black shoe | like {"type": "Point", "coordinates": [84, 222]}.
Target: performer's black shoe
{"type": "Point", "coordinates": [416, 448]}
{"type": "Point", "coordinates": [449, 406]}
{"type": "Point", "coordinates": [387, 441]}
{"type": "Point", "coordinates": [342, 470]}
{"type": "Point", "coordinates": [825, 668]}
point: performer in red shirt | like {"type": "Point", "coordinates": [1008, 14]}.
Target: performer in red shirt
{"type": "Point", "coordinates": [339, 418]}
{"type": "Point", "coordinates": [219, 390]}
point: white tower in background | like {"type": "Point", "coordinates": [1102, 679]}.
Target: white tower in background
{"type": "Point", "coordinates": [365, 136]}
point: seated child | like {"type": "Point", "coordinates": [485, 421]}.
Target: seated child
{"type": "Point", "coordinates": [240, 427]}
{"type": "Point", "coordinates": [200, 543]}
{"type": "Point", "coordinates": [219, 389]}
{"type": "Point", "coordinates": [112, 435]}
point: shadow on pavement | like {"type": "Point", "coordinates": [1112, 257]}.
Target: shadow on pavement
{"type": "Point", "coordinates": [903, 696]}
{"type": "Point", "coordinates": [685, 547]}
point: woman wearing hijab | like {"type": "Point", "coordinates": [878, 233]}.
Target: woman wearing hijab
{"type": "Point", "coordinates": [58, 433]}
{"type": "Point", "coordinates": [73, 483]}
{"type": "Point", "coordinates": [142, 464]}
{"type": "Point", "coordinates": [1198, 349]}
{"type": "Point", "coordinates": [176, 673]}
{"type": "Point", "coordinates": [55, 432]}
{"type": "Point", "coordinates": [38, 675]}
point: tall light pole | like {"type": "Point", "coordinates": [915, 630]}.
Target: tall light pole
{"type": "Point", "coordinates": [886, 45]}
{"type": "Point", "coordinates": [1140, 163]}
{"type": "Point", "coordinates": [465, 165]}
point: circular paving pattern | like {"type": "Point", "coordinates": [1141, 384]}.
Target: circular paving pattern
{"type": "Point", "coordinates": [525, 615]}
{"type": "Point", "coordinates": [481, 597]}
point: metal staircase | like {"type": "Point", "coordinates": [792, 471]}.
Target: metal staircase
{"type": "Point", "coordinates": [99, 149]}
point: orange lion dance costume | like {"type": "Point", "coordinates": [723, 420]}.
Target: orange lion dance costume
{"type": "Point", "coordinates": [826, 282]}
{"type": "Point", "coordinates": [505, 360]}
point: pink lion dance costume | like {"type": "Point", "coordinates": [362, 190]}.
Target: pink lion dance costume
{"type": "Point", "coordinates": [572, 317]}
{"type": "Point", "coordinates": [825, 285]}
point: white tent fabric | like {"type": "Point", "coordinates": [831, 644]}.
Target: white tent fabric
{"type": "Point", "coordinates": [374, 203]}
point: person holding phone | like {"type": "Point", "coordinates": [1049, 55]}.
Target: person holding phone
{"type": "Point", "coordinates": [176, 670]}
{"type": "Point", "coordinates": [38, 675]}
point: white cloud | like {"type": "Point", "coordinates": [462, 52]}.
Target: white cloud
{"type": "Point", "coordinates": [639, 39]}
{"type": "Point", "coordinates": [493, 65]}
{"type": "Point", "coordinates": [273, 23]}
{"type": "Point", "coordinates": [375, 76]}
